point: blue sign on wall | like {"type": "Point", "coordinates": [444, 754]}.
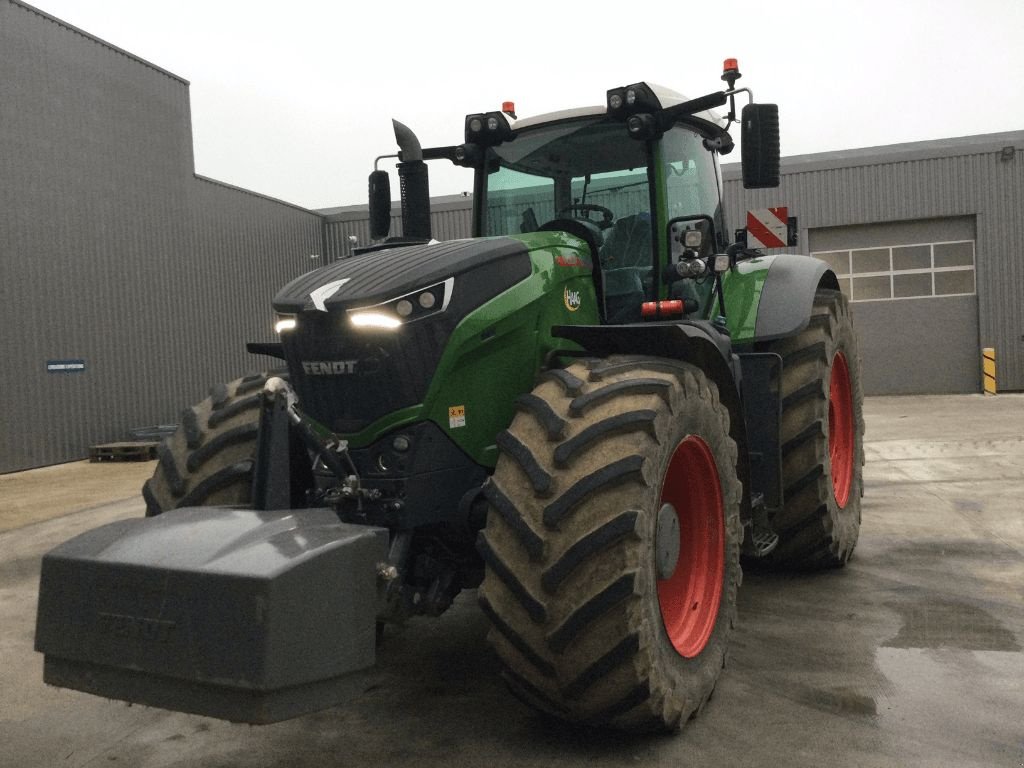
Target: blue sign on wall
{"type": "Point", "coordinates": [65, 366]}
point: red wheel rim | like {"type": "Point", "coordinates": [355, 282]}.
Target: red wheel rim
{"type": "Point", "coordinates": [840, 429]}
{"type": "Point", "coordinates": [690, 597]}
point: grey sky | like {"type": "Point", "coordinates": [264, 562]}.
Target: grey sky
{"type": "Point", "coordinates": [293, 100]}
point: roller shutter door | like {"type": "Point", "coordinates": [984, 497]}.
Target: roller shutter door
{"type": "Point", "coordinates": [915, 305]}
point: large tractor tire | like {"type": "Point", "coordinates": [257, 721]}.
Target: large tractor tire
{"type": "Point", "coordinates": [822, 438]}
{"type": "Point", "coordinates": [608, 469]}
{"type": "Point", "coordinates": [209, 458]}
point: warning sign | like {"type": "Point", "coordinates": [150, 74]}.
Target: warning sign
{"type": "Point", "coordinates": [768, 228]}
{"type": "Point", "coordinates": [456, 416]}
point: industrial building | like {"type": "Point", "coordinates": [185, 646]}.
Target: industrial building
{"type": "Point", "coordinates": [129, 283]}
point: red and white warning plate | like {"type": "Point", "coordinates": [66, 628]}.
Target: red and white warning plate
{"type": "Point", "coordinates": [767, 227]}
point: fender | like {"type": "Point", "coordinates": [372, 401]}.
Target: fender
{"type": "Point", "coordinates": [770, 297]}
{"type": "Point", "coordinates": [695, 342]}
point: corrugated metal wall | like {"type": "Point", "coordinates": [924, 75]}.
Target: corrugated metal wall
{"type": "Point", "coordinates": [451, 218]}
{"type": "Point", "coordinates": [113, 252]}
{"type": "Point", "coordinates": [930, 180]}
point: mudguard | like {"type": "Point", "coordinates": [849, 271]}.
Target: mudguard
{"type": "Point", "coordinates": [770, 297]}
{"type": "Point", "coordinates": [250, 616]}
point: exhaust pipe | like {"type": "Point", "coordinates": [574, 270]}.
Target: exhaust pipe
{"type": "Point", "coordinates": [415, 184]}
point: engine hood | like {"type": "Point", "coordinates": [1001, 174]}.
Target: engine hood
{"type": "Point", "coordinates": [499, 262]}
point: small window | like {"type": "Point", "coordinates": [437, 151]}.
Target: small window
{"type": "Point", "coordinates": [875, 260]}
{"type": "Point", "coordinates": [911, 257]}
{"type": "Point", "coordinates": [871, 288]}
{"type": "Point", "coordinates": [954, 282]}
{"type": "Point", "coordinates": [838, 260]}
{"type": "Point", "coordinates": [913, 284]}
{"type": "Point", "coordinates": [954, 254]}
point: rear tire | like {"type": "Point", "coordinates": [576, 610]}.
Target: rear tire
{"type": "Point", "coordinates": [209, 458]}
{"type": "Point", "coordinates": [586, 630]}
{"type": "Point", "coordinates": [822, 439]}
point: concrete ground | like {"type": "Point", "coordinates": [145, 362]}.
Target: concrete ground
{"type": "Point", "coordinates": [910, 656]}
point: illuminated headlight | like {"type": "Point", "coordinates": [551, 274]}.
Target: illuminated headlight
{"type": "Point", "coordinates": [374, 320]}
{"type": "Point", "coordinates": [693, 238]}
{"type": "Point", "coordinates": [406, 308]}
{"type": "Point", "coordinates": [283, 323]}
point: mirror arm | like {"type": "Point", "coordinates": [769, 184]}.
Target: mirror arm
{"type": "Point", "coordinates": [732, 101]}
{"type": "Point", "coordinates": [377, 160]}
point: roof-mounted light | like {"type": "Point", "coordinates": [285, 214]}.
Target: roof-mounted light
{"type": "Point", "coordinates": [632, 99]}
{"type": "Point", "coordinates": [487, 129]}
{"type": "Point", "coordinates": [731, 72]}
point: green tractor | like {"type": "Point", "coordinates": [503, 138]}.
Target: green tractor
{"type": "Point", "coordinates": [589, 412]}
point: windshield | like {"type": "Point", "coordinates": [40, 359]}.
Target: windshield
{"type": "Point", "coordinates": [590, 169]}
{"type": "Point", "coordinates": [553, 171]}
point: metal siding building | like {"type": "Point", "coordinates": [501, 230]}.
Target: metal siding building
{"type": "Point", "coordinates": [113, 252]}
{"type": "Point", "coordinates": [956, 202]}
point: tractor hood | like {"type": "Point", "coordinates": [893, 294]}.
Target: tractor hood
{"type": "Point", "coordinates": [482, 267]}
{"type": "Point", "coordinates": [348, 375]}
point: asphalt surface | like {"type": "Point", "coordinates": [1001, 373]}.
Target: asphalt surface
{"type": "Point", "coordinates": [910, 656]}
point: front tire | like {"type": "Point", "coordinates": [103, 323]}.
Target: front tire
{"type": "Point", "coordinates": [586, 628]}
{"type": "Point", "coordinates": [209, 459]}
{"type": "Point", "coordinates": [822, 437]}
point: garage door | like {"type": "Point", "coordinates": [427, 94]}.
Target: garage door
{"type": "Point", "coordinates": [912, 285]}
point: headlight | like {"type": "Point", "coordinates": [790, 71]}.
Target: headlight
{"type": "Point", "coordinates": [374, 320]}
{"type": "Point", "coordinates": [407, 308]}
{"type": "Point", "coordinates": [283, 323]}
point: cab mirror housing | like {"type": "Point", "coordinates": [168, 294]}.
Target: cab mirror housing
{"type": "Point", "coordinates": [760, 145]}
{"type": "Point", "coordinates": [380, 205]}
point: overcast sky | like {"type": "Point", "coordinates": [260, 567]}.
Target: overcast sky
{"type": "Point", "coordinates": [293, 100]}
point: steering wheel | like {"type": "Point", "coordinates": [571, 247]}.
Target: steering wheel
{"type": "Point", "coordinates": [569, 212]}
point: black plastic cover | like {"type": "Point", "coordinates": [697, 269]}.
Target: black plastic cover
{"type": "Point", "coordinates": [242, 615]}
{"type": "Point", "coordinates": [381, 275]}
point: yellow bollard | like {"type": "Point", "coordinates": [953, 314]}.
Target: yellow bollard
{"type": "Point", "coordinates": [988, 369]}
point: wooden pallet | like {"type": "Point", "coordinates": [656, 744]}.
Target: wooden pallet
{"type": "Point", "coordinates": [133, 451]}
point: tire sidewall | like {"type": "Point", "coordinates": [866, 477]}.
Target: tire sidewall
{"type": "Point", "coordinates": [697, 675]}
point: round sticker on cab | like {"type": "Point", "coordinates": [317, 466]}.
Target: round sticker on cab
{"type": "Point", "coordinates": [572, 299]}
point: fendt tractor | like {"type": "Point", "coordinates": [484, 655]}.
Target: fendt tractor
{"type": "Point", "coordinates": [588, 412]}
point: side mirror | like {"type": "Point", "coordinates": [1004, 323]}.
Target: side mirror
{"type": "Point", "coordinates": [760, 138]}
{"type": "Point", "coordinates": [380, 205]}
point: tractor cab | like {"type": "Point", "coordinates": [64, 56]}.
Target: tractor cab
{"type": "Point", "coordinates": [637, 180]}
{"type": "Point", "coordinates": [581, 172]}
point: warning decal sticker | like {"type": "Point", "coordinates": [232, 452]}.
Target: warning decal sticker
{"type": "Point", "coordinates": [456, 416]}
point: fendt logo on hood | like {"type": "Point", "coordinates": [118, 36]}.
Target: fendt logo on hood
{"type": "Point", "coordinates": [329, 367]}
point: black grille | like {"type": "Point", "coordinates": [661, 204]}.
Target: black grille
{"type": "Point", "coordinates": [346, 378]}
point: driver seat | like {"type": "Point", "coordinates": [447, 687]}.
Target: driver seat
{"type": "Point", "coordinates": [628, 244]}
